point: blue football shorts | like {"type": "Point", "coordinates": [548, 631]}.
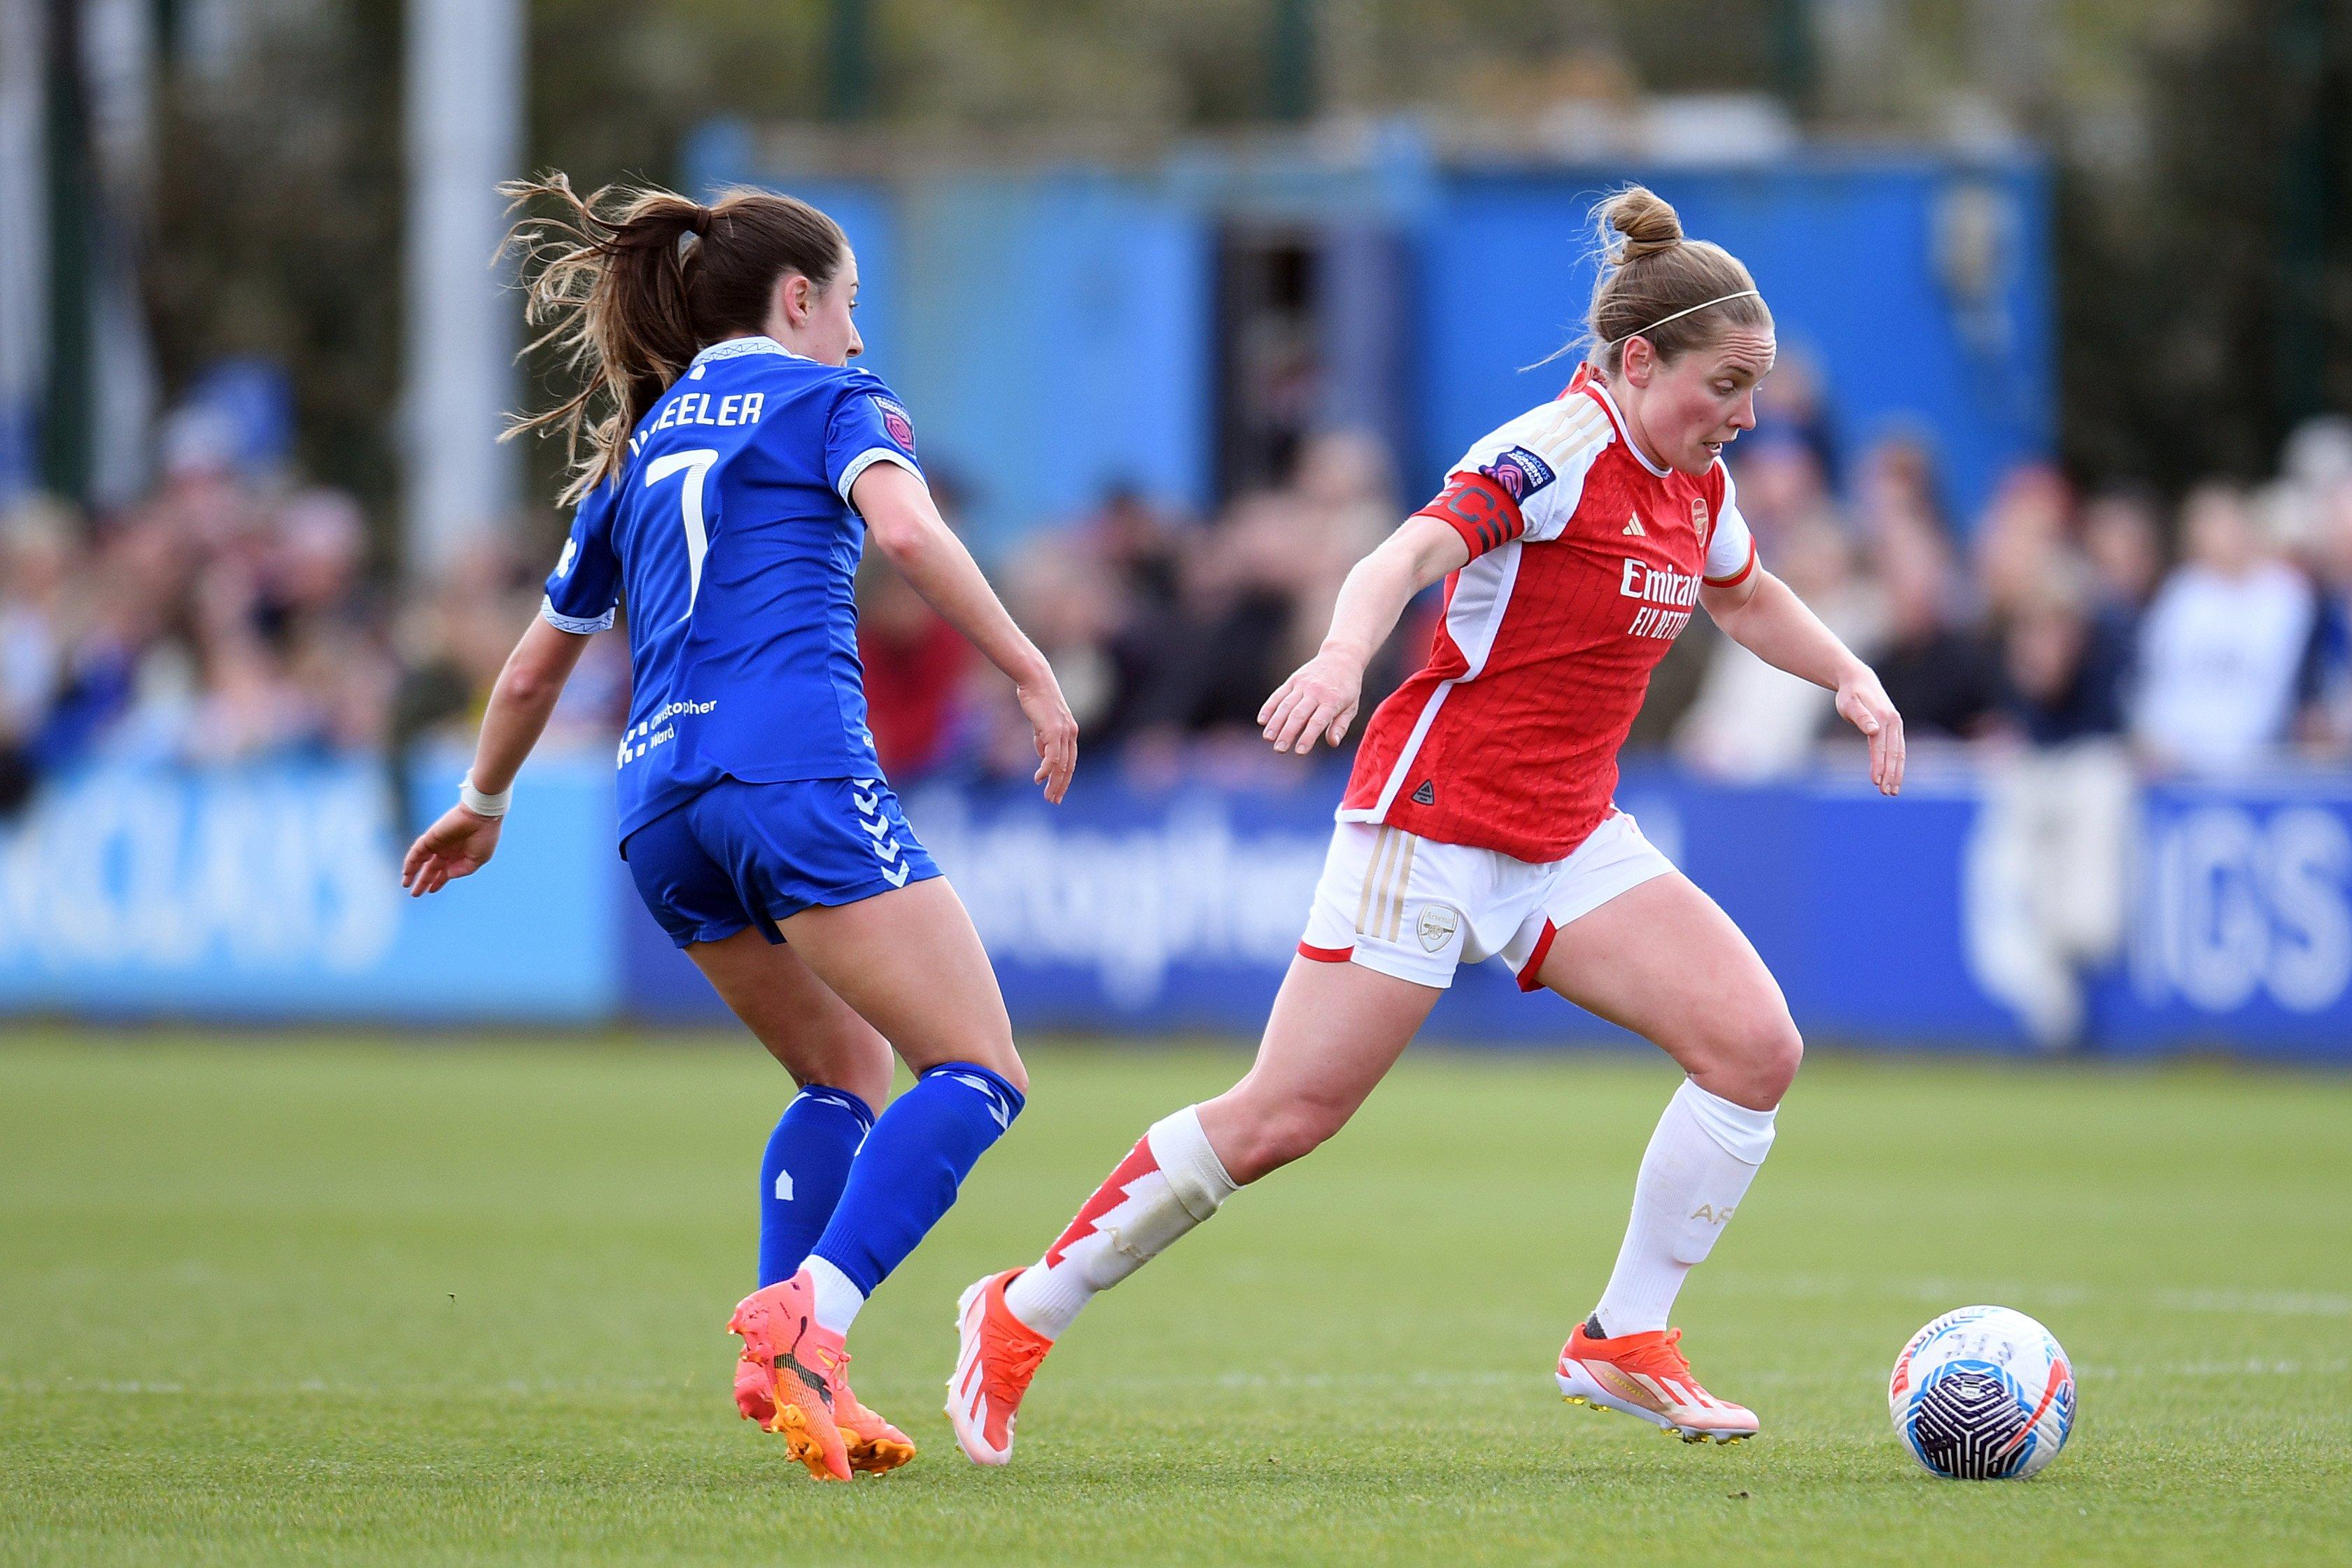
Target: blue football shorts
{"type": "Point", "coordinates": [744, 855]}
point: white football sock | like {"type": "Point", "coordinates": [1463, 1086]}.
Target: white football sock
{"type": "Point", "coordinates": [1169, 1183]}
{"type": "Point", "coordinates": [1694, 1174]}
{"type": "Point", "coordinates": [838, 1296]}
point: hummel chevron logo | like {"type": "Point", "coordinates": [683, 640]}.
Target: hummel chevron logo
{"type": "Point", "coordinates": [1633, 527]}
{"type": "Point", "coordinates": [988, 1092]}
{"type": "Point", "coordinates": [887, 848]}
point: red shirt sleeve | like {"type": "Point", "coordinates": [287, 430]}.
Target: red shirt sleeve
{"type": "Point", "coordinates": [1479, 509]}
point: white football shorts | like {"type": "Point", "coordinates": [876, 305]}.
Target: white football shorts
{"type": "Point", "coordinates": [1417, 908]}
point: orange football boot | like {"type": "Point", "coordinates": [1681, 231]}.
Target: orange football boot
{"type": "Point", "coordinates": [793, 1379]}
{"type": "Point", "coordinates": [997, 1357]}
{"type": "Point", "coordinates": [1646, 1374]}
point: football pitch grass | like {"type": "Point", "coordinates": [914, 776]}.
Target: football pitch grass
{"type": "Point", "coordinates": [356, 1301]}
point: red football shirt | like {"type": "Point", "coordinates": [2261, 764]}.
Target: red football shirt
{"type": "Point", "coordinates": [1585, 565]}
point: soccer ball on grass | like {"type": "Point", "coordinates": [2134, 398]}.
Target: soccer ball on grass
{"type": "Point", "coordinates": [1983, 1394]}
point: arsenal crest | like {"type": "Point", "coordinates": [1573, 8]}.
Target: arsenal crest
{"type": "Point", "coordinates": [1699, 518]}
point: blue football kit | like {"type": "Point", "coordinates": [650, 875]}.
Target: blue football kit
{"type": "Point", "coordinates": [749, 788]}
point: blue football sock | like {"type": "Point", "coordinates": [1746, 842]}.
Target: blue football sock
{"type": "Point", "coordinates": [802, 1173]}
{"type": "Point", "coordinates": [906, 1176]}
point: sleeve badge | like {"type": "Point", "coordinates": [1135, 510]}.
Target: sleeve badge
{"type": "Point", "coordinates": [895, 421]}
{"type": "Point", "coordinates": [1520, 473]}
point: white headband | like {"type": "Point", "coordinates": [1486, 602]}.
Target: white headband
{"type": "Point", "coordinates": [1680, 314]}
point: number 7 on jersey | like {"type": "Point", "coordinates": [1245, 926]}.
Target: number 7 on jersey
{"type": "Point", "coordinates": [695, 464]}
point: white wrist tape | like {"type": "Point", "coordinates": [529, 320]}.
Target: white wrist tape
{"type": "Point", "coordinates": [481, 805]}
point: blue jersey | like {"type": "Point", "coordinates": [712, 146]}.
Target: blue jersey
{"type": "Point", "coordinates": [729, 534]}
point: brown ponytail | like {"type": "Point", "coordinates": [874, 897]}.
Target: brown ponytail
{"type": "Point", "coordinates": [1650, 274]}
{"type": "Point", "coordinates": [631, 283]}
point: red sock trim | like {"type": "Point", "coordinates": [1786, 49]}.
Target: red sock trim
{"type": "Point", "coordinates": [1527, 981]}
{"type": "Point", "coordinates": [1324, 954]}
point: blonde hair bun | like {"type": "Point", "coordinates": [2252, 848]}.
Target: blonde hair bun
{"type": "Point", "coordinates": [1676, 292]}
{"type": "Point", "coordinates": [1643, 221]}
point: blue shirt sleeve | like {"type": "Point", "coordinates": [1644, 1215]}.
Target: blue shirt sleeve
{"type": "Point", "coordinates": [585, 585]}
{"type": "Point", "coordinates": [868, 426]}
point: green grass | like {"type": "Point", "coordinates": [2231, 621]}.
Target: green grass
{"type": "Point", "coordinates": [354, 1301]}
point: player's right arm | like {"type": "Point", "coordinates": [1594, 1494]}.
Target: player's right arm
{"type": "Point", "coordinates": [463, 840]}
{"type": "Point", "coordinates": [1319, 700]}
{"type": "Point", "coordinates": [1520, 482]}
{"type": "Point", "coordinates": [583, 593]}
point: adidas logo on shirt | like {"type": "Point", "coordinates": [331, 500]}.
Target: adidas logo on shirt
{"type": "Point", "coordinates": [1427, 794]}
{"type": "Point", "coordinates": [1633, 527]}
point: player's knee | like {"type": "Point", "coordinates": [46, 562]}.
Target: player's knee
{"type": "Point", "coordinates": [985, 1043]}
{"type": "Point", "coordinates": [870, 1082]}
{"type": "Point", "coordinates": [1767, 1053]}
{"type": "Point", "coordinates": [1013, 1072]}
{"type": "Point", "coordinates": [1747, 1055]}
{"type": "Point", "coordinates": [857, 1063]}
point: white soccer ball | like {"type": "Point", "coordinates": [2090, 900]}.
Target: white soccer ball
{"type": "Point", "coordinates": [1983, 1394]}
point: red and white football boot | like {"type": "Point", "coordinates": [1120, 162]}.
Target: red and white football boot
{"type": "Point", "coordinates": [997, 1357]}
{"type": "Point", "coordinates": [1646, 1374]}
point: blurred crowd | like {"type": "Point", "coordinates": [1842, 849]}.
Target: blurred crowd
{"type": "Point", "coordinates": [229, 618]}
{"type": "Point", "coordinates": [2208, 638]}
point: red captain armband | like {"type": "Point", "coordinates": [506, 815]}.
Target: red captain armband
{"type": "Point", "coordinates": [1478, 508]}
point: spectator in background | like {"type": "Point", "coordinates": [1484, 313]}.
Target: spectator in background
{"type": "Point", "coordinates": [2325, 683]}
{"type": "Point", "coordinates": [1069, 600]}
{"type": "Point", "coordinates": [35, 557]}
{"type": "Point", "coordinates": [453, 638]}
{"type": "Point", "coordinates": [2122, 533]}
{"type": "Point", "coordinates": [314, 603]}
{"type": "Point", "coordinates": [1939, 673]}
{"type": "Point", "coordinates": [2222, 644]}
{"type": "Point", "coordinates": [1235, 625]}
{"type": "Point", "coordinates": [914, 668]}
{"type": "Point", "coordinates": [1140, 545]}
{"type": "Point", "coordinates": [1753, 721]}
{"type": "Point", "coordinates": [1345, 497]}
{"type": "Point", "coordinates": [2025, 528]}
{"type": "Point", "coordinates": [916, 663]}
{"type": "Point", "coordinates": [2063, 660]}
{"type": "Point", "coordinates": [1782, 489]}
{"type": "Point", "coordinates": [1789, 400]}
{"type": "Point", "coordinates": [2048, 860]}
{"type": "Point", "coordinates": [1140, 551]}
{"type": "Point", "coordinates": [1899, 487]}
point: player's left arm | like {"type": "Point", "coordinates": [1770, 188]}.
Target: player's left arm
{"type": "Point", "coordinates": [907, 526]}
{"type": "Point", "coordinates": [1764, 615]}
